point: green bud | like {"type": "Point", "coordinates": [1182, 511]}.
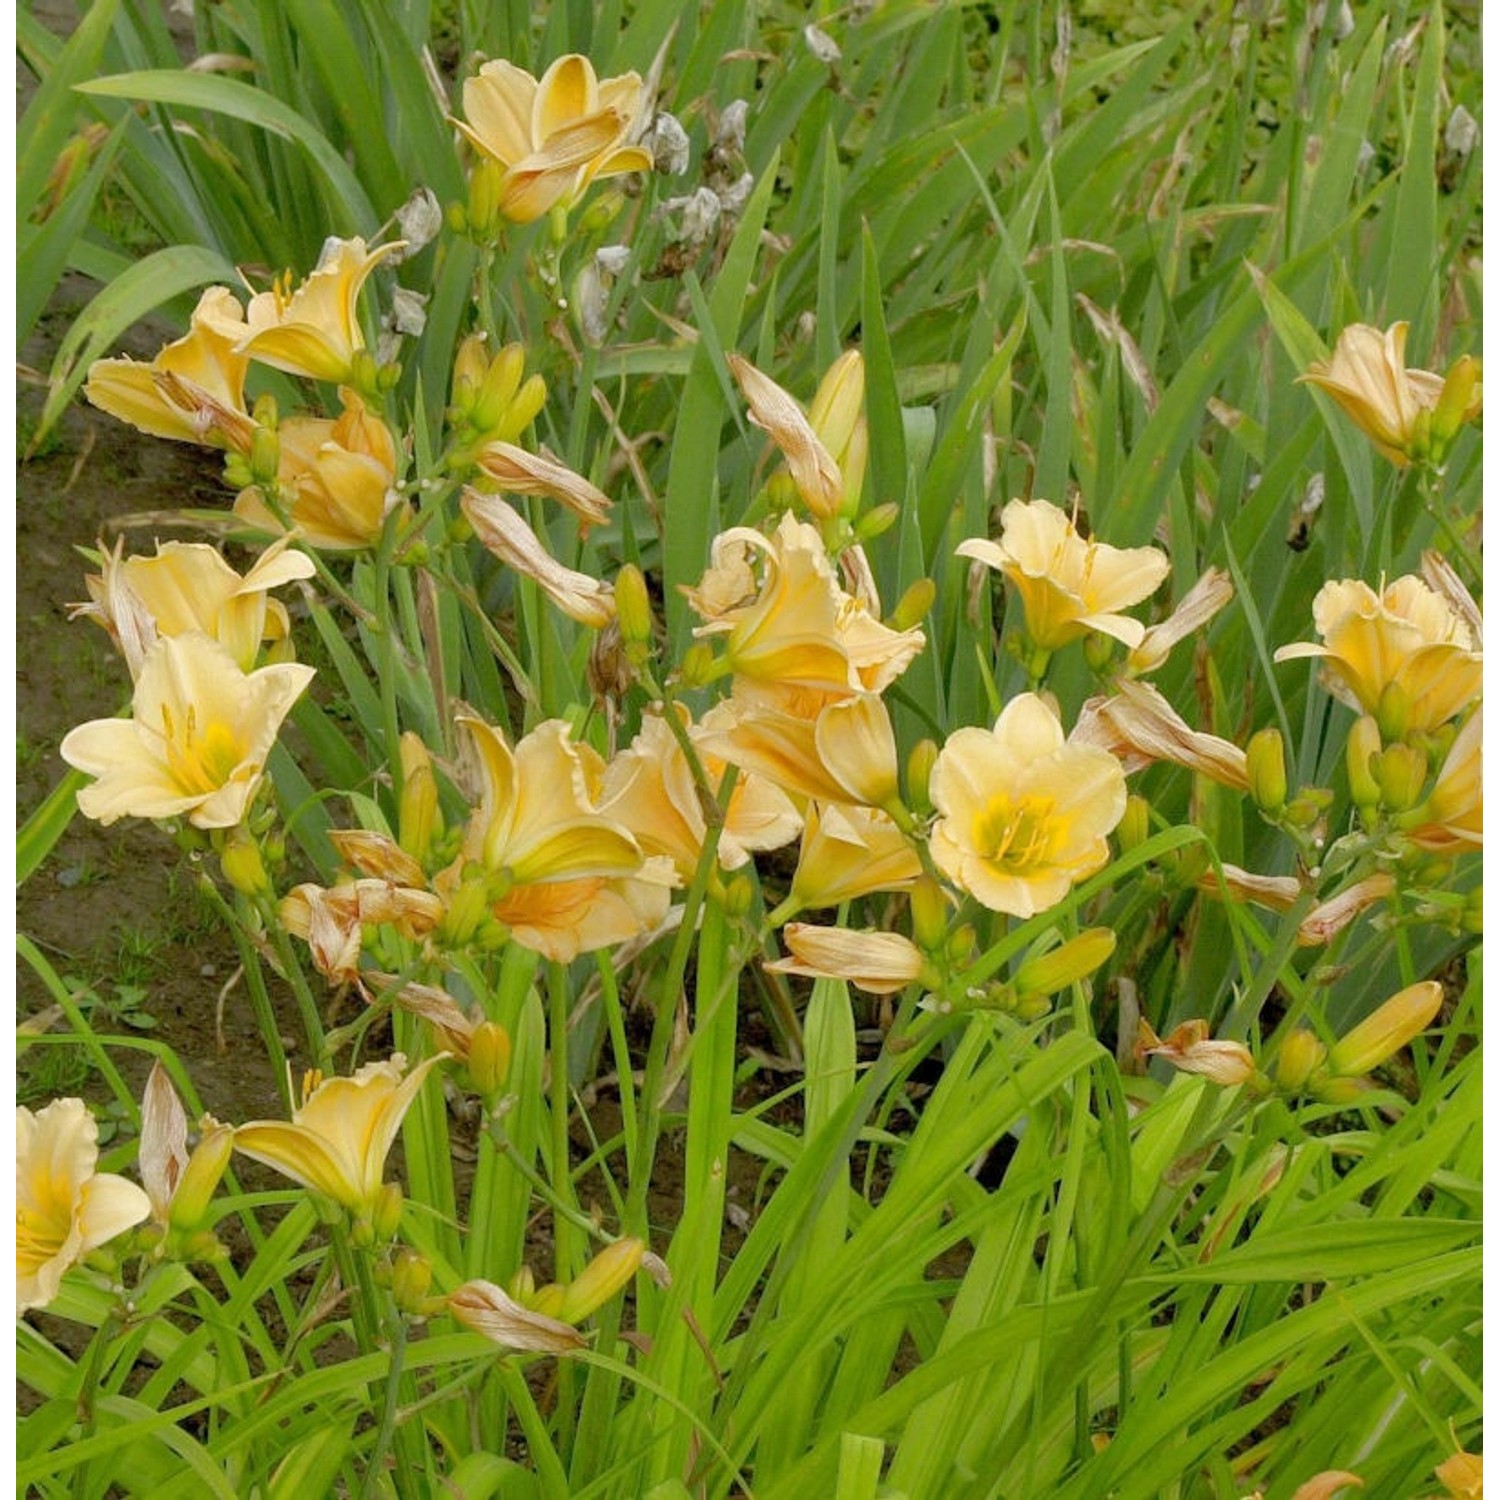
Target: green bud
{"type": "Point", "coordinates": [411, 1276]}
{"type": "Point", "coordinates": [385, 1212]}
{"type": "Point", "coordinates": [1360, 749]}
{"type": "Point", "coordinates": [1298, 1056]}
{"type": "Point", "coordinates": [498, 387]}
{"type": "Point", "coordinates": [930, 913]}
{"type": "Point", "coordinates": [1098, 652]}
{"type": "Point", "coordinates": [522, 411]}
{"type": "Point", "coordinates": [467, 908]}
{"type": "Point", "coordinates": [876, 521]}
{"type": "Point", "coordinates": [919, 766]}
{"type": "Point", "coordinates": [485, 183]}
{"type": "Point", "coordinates": [633, 605]}
{"type": "Point", "coordinates": [1393, 713]}
{"type": "Point", "coordinates": [606, 1275]}
{"type": "Point", "coordinates": [699, 667]}
{"type": "Point", "coordinates": [911, 608]}
{"type": "Point", "coordinates": [265, 456]}
{"type": "Point", "coordinates": [1472, 919]}
{"type": "Point", "coordinates": [1401, 773]}
{"type": "Point", "coordinates": [1135, 827]}
{"type": "Point", "coordinates": [961, 943]}
{"type": "Point", "coordinates": [1456, 404]}
{"type": "Point", "coordinates": [1074, 960]}
{"type": "Point", "coordinates": [602, 211]}
{"type": "Point", "coordinates": [1307, 807]}
{"type": "Point", "coordinates": [243, 867]}
{"type": "Point", "coordinates": [264, 411]}
{"type": "Point", "coordinates": [419, 817]}
{"type": "Point", "coordinates": [200, 1178]}
{"type": "Point", "coordinates": [456, 216]}
{"type": "Point", "coordinates": [364, 374]}
{"type": "Point", "coordinates": [737, 894]}
{"type": "Point", "coordinates": [1265, 764]}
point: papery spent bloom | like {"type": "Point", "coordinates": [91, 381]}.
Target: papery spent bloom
{"type": "Point", "coordinates": [1190, 1049]}
{"type": "Point", "coordinates": [188, 586]}
{"type": "Point", "coordinates": [1451, 818]}
{"type": "Point", "coordinates": [842, 750]}
{"type": "Point", "coordinates": [649, 788]}
{"type": "Point", "coordinates": [1462, 1475]}
{"type": "Point", "coordinates": [1407, 638]}
{"type": "Point", "coordinates": [340, 1136]}
{"type": "Point", "coordinates": [64, 1208]}
{"type": "Point", "coordinates": [518, 472]}
{"type": "Point", "coordinates": [485, 1308]}
{"type": "Point", "coordinates": [194, 390]}
{"type": "Point", "coordinates": [850, 851]}
{"type": "Point", "coordinates": [790, 624]}
{"type": "Point", "coordinates": [1068, 586]}
{"type": "Point", "coordinates": [198, 739]}
{"type": "Point", "coordinates": [336, 479]}
{"type": "Point", "coordinates": [314, 330]}
{"type": "Point", "coordinates": [880, 962]}
{"type": "Point", "coordinates": [503, 531]}
{"type": "Point", "coordinates": [179, 1183]}
{"type": "Point", "coordinates": [1139, 727]}
{"type": "Point", "coordinates": [1274, 892]}
{"type": "Point", "coordinates": [555, 135]}
{"type": "Point", "coordinates": [331, 921]}
{"type": "Point", "coordinates": [1392, 405]}
{"type": "Point", "coordinates": [825, 449]}
{"type": "Point", "coordinates": [1194, 610]}
{"type": "Point", "coordinates": [1024, 814]}
{"type": "Point", "coordinates": [1326, 920]}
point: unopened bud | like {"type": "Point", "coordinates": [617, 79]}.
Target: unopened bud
{"type": "Point", "coordinates": [930, 912]}
{"type": "Point", "coordinates": [1075, 959]}
{"type": "Point", "coordinates": [1098, 652]}
{"type": "Point", "coordinates": [200, 1178]}
{"type": "Point", "coordinates": [385, 1212]}
{"type": "Point", "coordinates": [737, 893]}
{"type": "Point", "coordinates": [521, 412]}
{"type": "Point", "coordinates": [498, 386]}
{"type": "Point", "coordinates": [1384, 1033]}
{"type": "Point", "coordinates": [411, 1276]}
{"type": "Point", "coordinates": [1298, 1056]}
{"type": "Point", "coordinates": [456, 216]}
{"type": "Point", "coordinates": [607, 1274]}
{"type": "Point", "coordinates": [548, 1300]}
{"type": "Point", "coordinates": [876, 521]}
{"type": "Point", "coordinates": [1393, 713]}
{"type": "Point", "coordinates": [485, 183]}
{"type": "Point", "coordinates": [911, 608]}
{"type": "Point", "coordinates": [1265, 765]}
{"type": "Point", "coordinates": [1472, 919]}
{"type": "Point", "coordinates": [919, 766]}
{"type": "Point", "coordinates": [467, 908]}
{"type": "Point", "coordinates": [243, 867]}
{"type": "Point", "coordinates": [522, 1286]}
{"type": "Point", "coordinates": [1307, 807]}
{"type": "Point", "coordinates": [364, 373]}
{"type": "Point", "coordinates": [603, 210]}
{"type": "Point", "coordinates": [265, 456]}
{"type": "Point", "coordinates": [1135, 826]}
{"type": "Point", "coordinates": [418, 818]}
{"type": "Point", "coordinates": [1362, 746]}
{"type": "Point", "coordinates": [1458, 403]}
{"type": "Point", "coordinates": [1400, 772]}
{"type": "Point", "coordinates": [698, 665]}
{"type": "Point", "coordinates": [489, 1057]}
{"type": "Point", "coordinates": [633, 605]}
{"type": "Point", "coordinates": [961, 943]}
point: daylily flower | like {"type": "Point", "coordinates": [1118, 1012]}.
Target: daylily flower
{"type": "Point", "coordinates": [505, 533]}
{"type": "Point", "coordinates": [188, 586]}
{"type": "Point", "coordinates": [338, 1140]}
{"type": "Point", "coordinates": [337, 479]}
{"type": "Point", "coordinates": [194, 390]}
{"type": "Point", "coordinates": [506, 467]}
{"type": "Point", "coordinates": [1451, 818]}
{"type": "Point", "coordinates": [649, 788]}
{"type": "Point", "coordinates": [1139, 727]}
{"type": "Point", "coordinates": [826, 448]}
{"type": "Point", "coordinates": [1024, 814]}
{"type": "Point", "coordinates": [64, 1208]}
{"type": "Point", "coordinates": [197, 743]}
{"type": "Point", "coordinates": [178, 1183]}
{"type": "Point", "coordinates": [1462, 1476]}
{"type": "Point", "coordinates": [485, 1308]}
{"type": "Point", "coordinates": [1393, 406]}
{"type": "Point", "coordinates": [1330, 917]}
{"type": "Point", "coordinates": [794, 626]}
{"type": "Point", "coordinates": [1190, 1049]}
{"type": "Point", "coordinates": [850, 851]}
{"type": "Point", "coordinates": [314, 331]}
{"type": "Point", "coordinates": [1406, 639]}
{"type": "Point", "coordinates": [880, 962]}
{"type": "Point", "coordinates": [554, 135]}
{"type": "Point", "coordinates": [1068, 586]}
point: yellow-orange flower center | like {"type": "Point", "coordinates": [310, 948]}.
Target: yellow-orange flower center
{"type": "Point", "coordinates": [1017, 834]}
{"type": "Point", "coordinates": [201, 762]}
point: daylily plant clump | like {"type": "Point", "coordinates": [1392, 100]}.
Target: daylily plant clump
{"type": "Point", "coordinates": [547, 800]}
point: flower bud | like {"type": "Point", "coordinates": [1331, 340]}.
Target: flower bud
{"type": "Point", "coordinates": [1075, 959]}
{"type": "Point", "coordinates": [522, 1286]}
{"type": "Point", "coordinates": [1299, 1055]}
{"type": "Point", "coordinates": [736, 895]}
{"type": "Point", "coordinates": [200, 1178]}
{"type": "Point", "coordinates": [1380, 1035]}
{"type": "Point", "coordinates": [385, 1212]}
{"type": "Point", "coordinates": [1098, 651]}
{"type": "Point", "coordinates": [607, 1274]}
{"type": "Point", "coordinates": [961, 943]}
{"type": "Point", "coordinates": [411, 1276]}
{"type": "Point", "coordinates": [243, 867]}
{"type": "Point", "coordinates": [604, 208]}
{"type": "Point", "coordinates": [1472, 919]}
{"type": "Point", "coordinates": [498, 386]}
{"type": "Point", "coordinates": [875, 521]}
{"type": "Point", "coordinates": [699, 667]}
{"type": "Point", "coordinates": [485, 183]}
{"type": "Point", "coordinates": [456, 216]}
{"type": "Point", "coordinates": [633, 605]}
{"type": "Point", "coordinates": [1400, 772]}
{"type": "Point", "coordinates": [467, 908]}
{"type": "Point", "coordinates": [1393, 712]}
{"type": "Point", "coordinates": [1360, 749]}
{"type": "Point", "coordinates": [1265, 765]}
{"type": "Point", "coordinates": [1307, 807]}
{"type": "Point", "coordinates": [1458, 403]}
{"type": "Point", "coordinates": [930, 913]}
{"type": "Point", "coordinates": [919, 766]}
{"type": "Point", "coordinates": [548, 1300]}
{"type": "Point", "coordinates": [265, 456]}
{"type": "Point", "coordinates": [1135, 827]}
{"type": "Point", "coordinates": [489, 1057]}
{"type": "Point", "coordinates": [911, 608]}
{"type": "Point", "coordinates": [418, 817]}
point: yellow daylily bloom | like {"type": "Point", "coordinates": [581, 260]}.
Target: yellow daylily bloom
{"type": "Point", "coordinates": [314, 330]}
{"type": "Point", "coordinates": [505, 533]}
{"type": "Point", "coordinates": [1394, 406]}
{"type": "Point", "coordinates": [1462, 1476]}
{"type": "Point", "coordinates": [649, 788]}
{"type": "Point", "coordinates": [198, 739]}
{"type": "Point", "coordinates": [338, 1140]}
{"type": "Point", "coordinates": [555, 135]}
{"type": "Point", "coordinates": [337, 479]}
{"type": "Point", "coordinates": [194, 390]}
{"type": "Point", "coordinates": [826, 448]}
{"type": "Point", "coordinates": [794, 626]}
{"type": "Point", "coordinates": [1024, 815]}
{"type": "Point", "coordinates": [880, 962]}
{"type": "Point", "coordinates": [189, 586]}
{"type": "Point", "coordinates": [1406, 640]}
{"type": "Point", "coordinates": [64, 1208]}
{"type": "Point", "coordinates": [850, 851]}
{"type": "Point", "coordinates": [1068, 586]}
{"type": "Point", "coordinates": [1451, 818]}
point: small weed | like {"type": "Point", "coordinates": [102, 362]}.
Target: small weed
{"type": "Point", "coordinates": [123, 1007]}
